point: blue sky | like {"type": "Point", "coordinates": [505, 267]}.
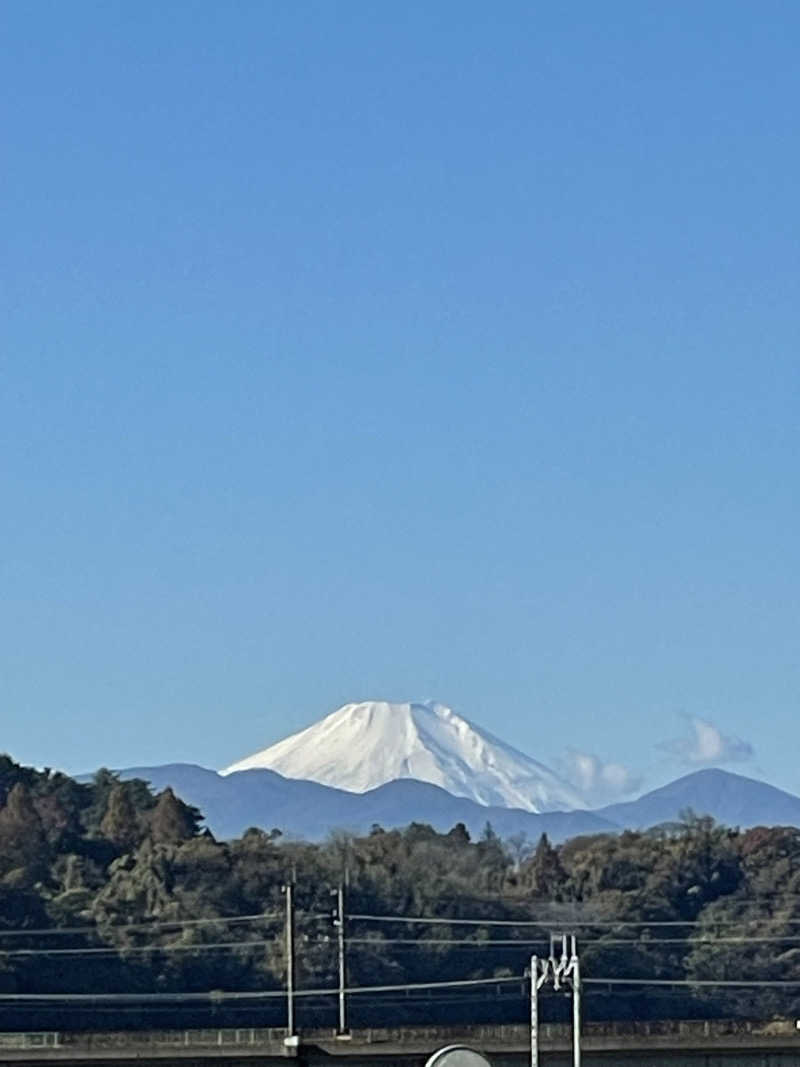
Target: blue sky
{"type": "Point", "coordinates": [401, 351]}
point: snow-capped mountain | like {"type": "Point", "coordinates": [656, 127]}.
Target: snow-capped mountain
{"type": "Point", "coordinates": [363, 746]}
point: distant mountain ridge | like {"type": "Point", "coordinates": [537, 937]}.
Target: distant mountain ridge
{"type": "Point", "coordinates": [363, 746]}
{"type": "Point", "coordinates": [394, 763]}
{"type": "Point", "coordinates": [732, 799]}
{"type": "Point", "coordinates": [231, 803]}
{"type": "Point", "coordinates": [264, 798]}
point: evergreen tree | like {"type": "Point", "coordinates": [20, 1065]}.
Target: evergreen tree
{"type": "Point", "coordinates": [543, 874]}
{"type": "Point", "coordinates": [23, 845]}
{"type": "Point", "coordinates": [459, 834]}
{"type": "Point", "coordinates": [120, 824]}
{"type": "Point", "coordinates": [172, 822]}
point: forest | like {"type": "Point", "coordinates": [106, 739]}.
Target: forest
{"type": "Point", "coordinates": [108, 889]}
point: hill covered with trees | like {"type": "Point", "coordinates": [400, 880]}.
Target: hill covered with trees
{"type": "Point", "coordinates": [109, 888]}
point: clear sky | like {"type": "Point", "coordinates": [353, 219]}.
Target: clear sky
{"type": "Point", "coordinates": [407, 350]}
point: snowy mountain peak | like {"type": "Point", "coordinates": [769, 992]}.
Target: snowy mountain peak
{"type": "Point", "coordinates": [362, 746]}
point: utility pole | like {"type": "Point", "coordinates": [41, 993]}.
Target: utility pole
{"type": "Point", "coordinates": [562, 970]}
{"type": "Point", "coordinates": [540, 972]}
{"type": "Point", "coordinates": [339, 923]}
{"type": "Point", "coordinates": [288, 891]}
{"type": "Point", "coordinates": [574, 972]}
{"type": "Point", "coordinates": [534, 1011]}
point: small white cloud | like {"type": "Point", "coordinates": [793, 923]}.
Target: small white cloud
{"type": "Point", "coordinates": [599, 782]}
{"type": "Point", "coordinates": [706, 744]}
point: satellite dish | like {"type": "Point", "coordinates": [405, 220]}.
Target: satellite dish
{"type": "Point", "coordinates": [457, 1056]}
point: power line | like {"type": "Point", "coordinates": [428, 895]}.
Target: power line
{"type": "Point", "coordinates": [455, 984]}
{"type": "Point", "coordinates": [214, 996]}
{"type": "Point", "coordinates": [384, 943]}
{"type": "Point", "coordinates": [130, 927]}
{"type": "Point", "coordinates": [432, 942]}
{"type": "Point", "coordinates": [110, 950]}
{"type": "Point", "coordinates": [438, 921]}
{"type": "Point", "coordinates": [394, 943]}
{"type": "Point", "coordinates": [563, 921]}
{"type": "Point", "coordinates": [230, 920]}
{"type": "Point", "coordinates": [642, 942]}
{"type": "Point", "coordinates": [122, 951]}
{"type": "Point", "coordinates": [756, 983]}
{"type": "Point", "coordinates": [234, 996]}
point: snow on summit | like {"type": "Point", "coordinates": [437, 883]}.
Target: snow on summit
{"type": "Point", "coordinates": [362, 746]}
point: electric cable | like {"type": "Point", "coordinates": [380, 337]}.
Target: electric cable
{"type": "Point", "coordinates": [158, 924]}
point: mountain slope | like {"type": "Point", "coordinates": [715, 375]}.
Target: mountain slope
{"type": "Point", "coordinates": [731, 799]}
{"type": "Point", "coordinates": [363, 746]}
{"type": "Point", "coordinates": [234, 802]}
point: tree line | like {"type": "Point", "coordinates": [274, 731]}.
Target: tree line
{"type": "Point", "coordinates": [108, 887]}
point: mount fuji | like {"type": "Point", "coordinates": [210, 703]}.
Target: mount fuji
{"type": "Point", "coordinates": [377, 763]}
{"type": "Point", "coordinates": [363, 746]}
